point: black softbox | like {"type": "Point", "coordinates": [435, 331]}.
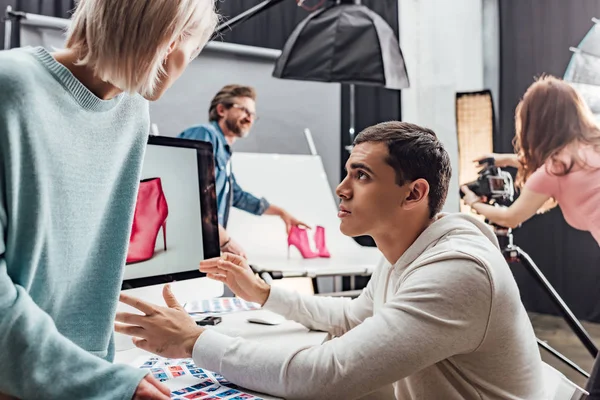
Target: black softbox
{"type": "Point", "coordinates": [345, 43]}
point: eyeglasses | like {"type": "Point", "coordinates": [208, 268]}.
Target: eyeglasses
{"type": "Point", "coordinates": [251, 114]}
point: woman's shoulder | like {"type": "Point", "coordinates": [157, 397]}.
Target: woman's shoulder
{"type": "Point", "coordinates": [589, 155]}
{"type": "Point", "coordinates": [135, 102]}
{"type": "Point", "coordinates": [17, 66]}
{"type": "Point", "coordinates": [19, 78]}
{"type": "Point", "coordinates": [581, 156]}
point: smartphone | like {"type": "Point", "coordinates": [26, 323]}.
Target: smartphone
{"type": "Point", "coordinates": [209, 321]}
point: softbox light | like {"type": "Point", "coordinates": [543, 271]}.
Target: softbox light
{"type": "Point", "coordinates": [345, 43]}
{"type": "Point", "coordinates": [475, 125]}
{"type": "Point", "coordinates": [583, 71]}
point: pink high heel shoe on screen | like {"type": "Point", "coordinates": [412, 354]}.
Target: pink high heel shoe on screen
{"type": "Point", "coordinates": [299, 238]}
{"type": "Point", "coordinates": [320, 242]}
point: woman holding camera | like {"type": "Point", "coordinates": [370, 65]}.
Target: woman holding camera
{"type": "Point", "coordinates": [558, 160]}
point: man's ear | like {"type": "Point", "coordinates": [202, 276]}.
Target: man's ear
{"type": "Point", "coordinates": [221, 109]}
{"type": "Point", "coordinates": [418, 193]}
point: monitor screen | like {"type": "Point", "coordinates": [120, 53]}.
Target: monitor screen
{"type": "Point", "coordinates": [175, 219]}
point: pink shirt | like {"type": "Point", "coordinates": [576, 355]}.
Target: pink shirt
{"type": "Point", "coordinates": [577, 193]}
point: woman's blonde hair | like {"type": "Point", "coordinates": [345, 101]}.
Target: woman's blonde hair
{"type": "Point", "coordinates": [126, 41]}
{"type": "Point", "coordinates": [552, 117]}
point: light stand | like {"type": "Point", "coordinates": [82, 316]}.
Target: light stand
{"type": "Point", "coordinates": [564, 359]}
{"type": "Point", "coordinates": [513, 253]}
{"type": "Point", "coordinates": [352, 101]}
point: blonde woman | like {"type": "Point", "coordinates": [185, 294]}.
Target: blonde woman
{"type": "Point", "coordinates": [73, 129]}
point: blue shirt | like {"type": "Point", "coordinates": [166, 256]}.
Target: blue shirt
{"type": "Point", "coordinates": [69, 171]}
{"type": "Point", "coordinates": [228, 191]}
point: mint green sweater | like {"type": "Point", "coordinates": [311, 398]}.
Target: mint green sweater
{"type": "Point", "coordinates": [69, 169]}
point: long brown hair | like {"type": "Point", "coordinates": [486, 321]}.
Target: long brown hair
{"type": "Point", "coordinates": [551, 117]}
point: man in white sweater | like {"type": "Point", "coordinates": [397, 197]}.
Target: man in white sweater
{"type": "Point", "coordinates": [441, 318]}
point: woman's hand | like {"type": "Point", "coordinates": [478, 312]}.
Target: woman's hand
{"type": "Point", "coordinates": [149, 388]}
{"type": "Point", "coordinates": [235, 272]}
{"type": "Point", "coordinates": [470, 197]}
{"type": "Point", "coordinates": [501, 160]}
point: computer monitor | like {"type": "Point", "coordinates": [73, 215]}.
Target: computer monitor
{"type": "Point", "coordinates": [175, 222]}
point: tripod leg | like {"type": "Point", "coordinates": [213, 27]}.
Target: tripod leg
{"type": "Point", "coordinates": [593, 384]}
{"type": "Point", "coordinates": [561, 357]}
{"type": "Point", "coordinates": [568, 315]}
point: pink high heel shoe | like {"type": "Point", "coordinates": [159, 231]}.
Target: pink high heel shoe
{"type": "Point", "coordinates": [299, 238]}
{"type": "Point", "coordinates": [320, 242]}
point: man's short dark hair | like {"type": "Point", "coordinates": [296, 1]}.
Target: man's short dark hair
{"type": "Point", "coordinates": [414, 152]}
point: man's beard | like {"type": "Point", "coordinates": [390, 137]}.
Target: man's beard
{"type": "Point", "coordinates": [235, 127]}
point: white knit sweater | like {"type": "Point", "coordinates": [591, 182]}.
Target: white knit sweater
{"type": "Point", "coordinates": [444, 322]}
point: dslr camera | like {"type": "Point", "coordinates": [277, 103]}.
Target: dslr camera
{"type": "Point", "coordinates": [493, 183]}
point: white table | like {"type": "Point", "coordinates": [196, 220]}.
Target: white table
{"type": "Point", "coordinates": [287, 334]}
{"type": "Point", "coordinates": [316, 267]}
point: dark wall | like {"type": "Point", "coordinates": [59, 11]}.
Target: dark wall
{"type": "Point", "coordinates": [535, 39]}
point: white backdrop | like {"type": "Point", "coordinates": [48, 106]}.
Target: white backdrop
{"type": "Point", "coordinates": [442, 43]}
{"type": "Point", "coordinates": [298, 184]}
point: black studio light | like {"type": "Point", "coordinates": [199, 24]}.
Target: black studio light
{"type": "Point", "coordinates": [344, 42]}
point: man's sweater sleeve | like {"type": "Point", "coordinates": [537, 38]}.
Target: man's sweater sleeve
{"type": "Point", "coordinates": [440, 310]}
{"type": "Point", "coordinates": [334, 315]}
